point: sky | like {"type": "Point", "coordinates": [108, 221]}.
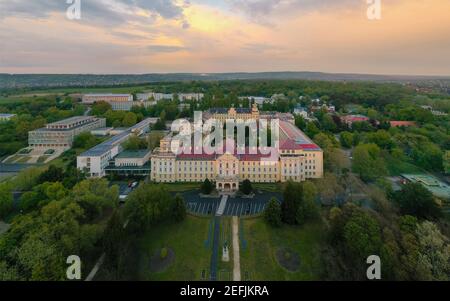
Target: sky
{"type": "Point", "coordinates": [211, 36]}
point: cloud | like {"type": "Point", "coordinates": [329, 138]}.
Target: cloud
{"type": "Point", "coordinates": [166, 48]}
{"type": "Point", "coordinates": [112, 11]}
{"type": "Point", "coordinates": [259, 10]}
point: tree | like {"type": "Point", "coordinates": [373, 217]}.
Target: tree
{"type": "Point", "coordinates": [112, 242]}
{"type": "Point", "coordinates": [85, 141]}
{"type": "Point", "coordinates": [207, 187]}
{"type": "Point", "coordinates": [289, 207]}
{"type": "Point", "coordinates": [446, 161]}
{"type": "Point", "coordinates": [308, 208]}
{"type": "Point", "coordinates": [312, 130]}
{"type": "Point", "coordinates": [52, 174]}
{"type": "Point", "coordinates": [272, 213]}
{"type": "Point", "coordinates": [129, 119]}
{"type": "Point", "coordinates": [368, 163]}
{"type": "Point", "coordinates": [246, 187]}
{"type": "Point", "coordinates": [95, 195]}
{"type": "Point", "coordinates": [100, 108]}
{"type": "Point", "coordinates": [434, 252]}
{"type": "Point", "coordinates": [416, 200]}
{"type": "Point", "coordinates": [6, 199]}
{"type": "Point", "coordinates": [346, 139]}
{"type": "Point", "coordinates": [179, 209]}
{"type": "Point", "coordinates": [362, 235]}
{"type": "Point", "coordinates": [135, 143]}
{"type": "Point", "coordinates": [148, 205]}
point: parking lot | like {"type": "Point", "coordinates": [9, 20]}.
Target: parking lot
{"type": "Point", "coordinates": [234, 207]}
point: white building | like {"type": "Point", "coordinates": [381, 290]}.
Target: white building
{"type": "Point", "coordinates": [96, 160]}
{"type": "Point", "coordinates": [6, 117]}
{"type": "Point", "coordinates": [190, 96]}
{"type": "Point", "coordinates": [62, 133]}
{"type": "Point", "coordinates": [259, 100]}
{"type": "Point", "coordinates": [94, 98]}
{"type": "Point", "coordinates": [299, 110]}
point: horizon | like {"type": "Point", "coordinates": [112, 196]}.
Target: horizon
{"type": "Point", "coordinates": [444, 76]}
{"type": "Point", "coordinates": [122, 37]}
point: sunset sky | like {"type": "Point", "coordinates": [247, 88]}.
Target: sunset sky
{"type": "Point", "coordinates": [205, 36]}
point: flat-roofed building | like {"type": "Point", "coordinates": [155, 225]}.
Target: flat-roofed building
{"type": "Point", "coordinates": [130, 163]}
{"type": "Point", "coordinates": [107, 97]}
{"type": "Point", "coordinates": [60, 135]}
{"type": "Point", "coordinates": [6, 117]}
{"type": "Point", "coordinates": [95, 161]}
{"type": "Point", "coordinates": [182, 97]}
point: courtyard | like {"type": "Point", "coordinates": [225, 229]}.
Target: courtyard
{"type": "Point", "coordinates": [236, 206]}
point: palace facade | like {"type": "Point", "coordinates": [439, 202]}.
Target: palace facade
{"type": "Point", "coordinates": [296, 159]}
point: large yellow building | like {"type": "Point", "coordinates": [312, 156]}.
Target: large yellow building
{"type": "Point", "coordinates": [297, 159]}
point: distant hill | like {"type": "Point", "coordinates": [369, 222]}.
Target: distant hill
{"type": "Point", "coordinates": [8, 81]}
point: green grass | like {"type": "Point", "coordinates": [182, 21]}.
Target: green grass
{"type": "Point", "coordinates": [263, 241]}
{"type": "Point", "coordinates": [225, 269]}
{"type": "Point", "coordinates": [186, 239]}
{"type": "Point", "coordinates": [182, 187]}
{"type": "Point", "coordinates": [270, 187]}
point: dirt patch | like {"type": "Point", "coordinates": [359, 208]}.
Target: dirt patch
{"type": "Point", "coordinates": [159, 264]}
{"type": "Point", "coordinates": [288, 259]}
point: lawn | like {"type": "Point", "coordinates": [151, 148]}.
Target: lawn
{"type": "Point", "coordinates": [271, 187]}
{"type": "Point", "coordinates": [187, 240]}
{"type": "Point", "coordinates": [182, 187]}
{"type": "Point", "coordinates": [225, 269]}
{"type": "Point", "coordinates": [261, 242]}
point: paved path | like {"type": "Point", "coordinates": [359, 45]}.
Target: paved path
{"type": "Point", "coordinates": [236, 254]}
{"type": "Point", "coordinates": [223, 204]}
{"type": "Point", "coordinates": [215, 249]}
{"type": "Point", "coordinates": [96, 268]}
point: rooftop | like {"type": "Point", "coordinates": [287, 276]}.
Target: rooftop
{"type": "Point", "coordinates": [133, 154]}
{"type": "Point", "coordinates": [437, 187]}
{"type": "Point", "coordinates": [107, 94]}
{"type": "Point", "coordinates": [71, 120]}
{"type": "Point", "coordinates": [7, 115]}
{"type": "Point", "coordinates": [106, 146]}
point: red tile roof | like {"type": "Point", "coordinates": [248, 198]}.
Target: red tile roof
{"type": "Point", "coordinates": [402, 123]}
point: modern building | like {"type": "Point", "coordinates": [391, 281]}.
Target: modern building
{"type": "Point", "coordinates": [299, 110]}
{"type": "Point", "coordinates": [60, 135]}
{"type": "Point", "coordinates": [297, 159]}
{"type": "Point", "coordinates": [259, 100]}
{"type": "Point", "coordinates": [130, 163]}
{"type": "Point", "coordinates": [95, 161]}
{"type": "Point", "coordinates": [182, 97]}
{"type": "Point", "coordinates": [102, 131]}
{"type": "Point", "coordinates": [128, 105]}
{"type": "Point", "coordinates": [6, 117]}
{"type": "Point", "coordinates": [94, 98]}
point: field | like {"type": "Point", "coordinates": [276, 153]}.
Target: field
{"type": "Point", "coordinates": [187, 240]}
{"type": "Point", "coordinates": [260, 244]}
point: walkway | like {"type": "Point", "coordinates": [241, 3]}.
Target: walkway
{"type": "Point", "coordinates": [215, 249]}
{"type": "Point", "coordinates": [222, 206]}
{"type": "Point", "coordinates": [236, 254]}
